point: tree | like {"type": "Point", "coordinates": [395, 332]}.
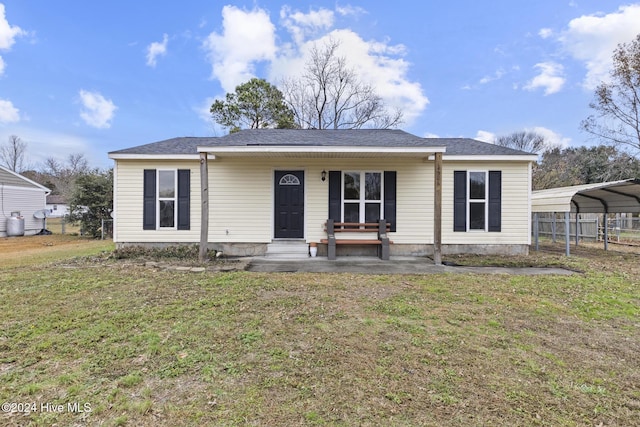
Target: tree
{"type": "Point", "coordinates": [617, 104]}
{"type": "Point", "coordinates": [583, 165]}
{"type": "Point", "coordinates": [255, 105]}
{"type": "Point", "coordinates": [62, 175]}
{"type": "Point", "coordinates": [12, 154]}
{"type": "Point", "coordinates": [92, 200]}
{"type": "Point", "coordinates": [528, 141]}
{"type": "Point", "coordinates": [330, 95]}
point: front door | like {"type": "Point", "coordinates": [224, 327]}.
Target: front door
{"type": "Point", "coordinates": [289, 204]}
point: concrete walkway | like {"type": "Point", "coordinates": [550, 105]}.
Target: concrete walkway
{"type": "Point", "coordinates": [397, 265]}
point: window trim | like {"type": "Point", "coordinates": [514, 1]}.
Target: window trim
{"type": "Point", "coordinates": [484, 200]}
{"type": "Point", "coordinates": [362, 201]}
{"type": "Point", "coordinates": [174, 199]}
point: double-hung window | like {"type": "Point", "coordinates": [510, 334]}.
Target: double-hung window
{"type": "Point", "coordinates": [362, 196]}
{"type": "Point", "coordinates": [167, 206]}
{"type": "Point", "coordinates": [166, 199]}
{"type": "Point", "coordinates": [477, 200]}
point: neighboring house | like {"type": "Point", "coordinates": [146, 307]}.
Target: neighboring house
{"type": "Point", "coordinates": [57, 206]}
{"type": "Point", "coordinates": [271, 185]}
{"type": "Point", "coordinates": [20, 194]}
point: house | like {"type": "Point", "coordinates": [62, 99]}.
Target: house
{"type": "Point", "coordinates": [270, 186]}
{"type": "Point", "coordinates": [57, 206]}
{"type": "Point", "coordinates": [20, 196]}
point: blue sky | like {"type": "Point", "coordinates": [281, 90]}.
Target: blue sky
{"type": "Point", "coordinates": [92, 77]}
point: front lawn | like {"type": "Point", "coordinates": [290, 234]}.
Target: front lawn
{"type": "Point", "coordinates": [107, 342]}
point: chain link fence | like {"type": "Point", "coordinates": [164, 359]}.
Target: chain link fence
{"type": "Point", "coordinates": [621, 228]}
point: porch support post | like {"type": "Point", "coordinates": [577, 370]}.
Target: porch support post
{"type": "Point", "coordinates": [437, 210]}
{"type": "Point", "coordinates": [204, 207]}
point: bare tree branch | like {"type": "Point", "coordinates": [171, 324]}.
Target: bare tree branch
{"type": "Point", "coordinates": [12, 154]}
{"type": "Point", "coordinates": [330, 95]}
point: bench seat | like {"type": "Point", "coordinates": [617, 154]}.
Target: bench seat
{"type": "Point", "coordinates": [381, 228]}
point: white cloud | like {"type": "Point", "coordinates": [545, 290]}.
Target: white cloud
{"type": "Point", "coordinates": [550, 78]}
{"type": "Point", "coordinates": [379, 63]}
{"type": "Point", "coordinates": [8, 35]}
{"type": "Point", "coordinates": [350, 10]}
{"type": "Point", "coordinates": [303, 25]}
{"type": "Point", "coordinates": [156, 49]}
{"type": "Point", "coordinates": [545, 33]}
{"type": "Point", "coordinates": [553, 138]}
{"type": "Point", "coordinates": [8, 113]}
{"type": "Point", "coordinates": [97, 111]}
{"type": "Point", "coordinates": [247, 37]}
{"type": "Point", "coordinates": [495, 76]}
{"type": "Point", "coordinates": [486, 136]}
{"type": "Point", "coordinates": [592, 39]}
{"type": "Point", "coordinates": [59, 145]}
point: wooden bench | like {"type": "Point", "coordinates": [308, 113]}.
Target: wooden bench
{"type": "Point", "coordinates": [381, 228]}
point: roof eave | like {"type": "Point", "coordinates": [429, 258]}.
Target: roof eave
{"type": "Point", "coordinates": [315, 151]}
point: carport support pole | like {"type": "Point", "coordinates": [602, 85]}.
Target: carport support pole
{"type": "Point", "coordinates": [577, 228]}
{"type": "Point", "coordinates": [204, 207]}
{"type": "Point", "coordinates": [606, 232]}
{"type": "Point", "coordinates": [567, 234]}
{"type": "Point", "coordinates": [437, 209]}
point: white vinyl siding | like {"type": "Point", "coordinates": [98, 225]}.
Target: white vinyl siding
{"type": "Point", "coordinates": [516, 189]}
{"type": "Point", "coordinates": [24, 200]}
{"type": "Point", "coordinates": [241, 205]}
{"type": "Point", "coordinates": [128, 203]}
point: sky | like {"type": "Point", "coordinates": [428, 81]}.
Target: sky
{"type": "Point", "coordinates": [92, 77]}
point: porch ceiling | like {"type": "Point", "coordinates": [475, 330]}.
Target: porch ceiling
{"type": "Point", "coordinates": [320, 152]}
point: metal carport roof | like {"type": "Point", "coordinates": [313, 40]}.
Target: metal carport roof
{"type": "Point", "coordinates": [604, 197]}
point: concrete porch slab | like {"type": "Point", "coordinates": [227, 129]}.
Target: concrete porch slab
{"type": "Point", "coordinates": [397, 265]}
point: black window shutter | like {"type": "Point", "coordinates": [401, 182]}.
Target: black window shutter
{"type": "Point", "coordinates": [184, 192]}
{"type": "Point", "coordinates": [390, 198]}
{"type": "Point", "coordinates": [335, 195]}
{"type": "Point", "coordinates": [149, 200]}
{"type": "Point", "coordinates": [495, 200]}
{"type": "Point", "coordinates": [460, 201]}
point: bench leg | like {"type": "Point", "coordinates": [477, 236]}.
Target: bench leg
{"type": "Point", "coordinates": [384, 250]}
{"type": "Point", "coordinates": [331, 249]}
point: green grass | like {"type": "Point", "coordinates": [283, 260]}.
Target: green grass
{"type": "Point", "coordinates": [146, 347]}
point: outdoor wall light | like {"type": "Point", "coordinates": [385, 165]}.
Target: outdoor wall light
{"type": "Point", "coordinates": [324, 175]}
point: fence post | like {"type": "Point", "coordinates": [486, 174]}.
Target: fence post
{"type": "Point", "coordinates": [102, 229]}
{"type": "Point", "coordinates": [63, 222]}
{"type": "Point", "coordinates": [536, 229]}
{"type": "Point", "coordinates": [567, 233]}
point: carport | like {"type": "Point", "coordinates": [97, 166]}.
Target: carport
{"type": "Point", "coordinates": [604, 197]}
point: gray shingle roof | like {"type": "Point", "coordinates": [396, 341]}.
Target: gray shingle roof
{"type": "Point", "coordinates": [326, 138]}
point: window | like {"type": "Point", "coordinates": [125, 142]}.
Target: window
{"type": "Point", "coordinates": [477, 200]}
{"type": "Point", "coordinates": [166, 199]}
{"type": "Point", "coordinates": [362, 192]}
{"type": "Point", "coordinates": [358, 195]}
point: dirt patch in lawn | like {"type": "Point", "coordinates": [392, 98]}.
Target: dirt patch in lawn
{"type": "Point", "coordinates": [28, 250]}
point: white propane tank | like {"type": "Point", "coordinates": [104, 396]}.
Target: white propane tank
{"type": "Point", "coordinates": [15, 225]}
